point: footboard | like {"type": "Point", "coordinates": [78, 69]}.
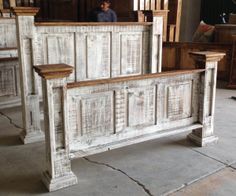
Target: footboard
{"type": "Point", "coordinates": [93, 116]}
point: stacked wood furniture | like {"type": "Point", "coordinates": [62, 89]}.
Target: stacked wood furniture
{"type": "Point", "coordinates": [9, 69]}
{"type": "Point", "coordinates": [176, 56]}
{"type": "Point", "coordinates": [169, 10]}
{"type": "Point", "coordinates": [96, 50]}
{"type": "Point", "coordinates": [111, 95]}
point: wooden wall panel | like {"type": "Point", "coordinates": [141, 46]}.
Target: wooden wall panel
{"type": "Point", "coordinates": [176, 56]}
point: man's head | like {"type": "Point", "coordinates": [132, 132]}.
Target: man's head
{"type": "Point", "coordinates": [105, 5]}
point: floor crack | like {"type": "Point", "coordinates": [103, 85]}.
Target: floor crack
{"type": "Point", "coordinates": [11, 121]}
{"type": "Point", "coordinates": [119, 170]}
{"type": "Point", "coordinates": [219, 161]}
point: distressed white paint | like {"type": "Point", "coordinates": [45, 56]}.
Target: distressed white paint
{"type": "Point", "coordinates": [99, 117]}
{"type": "Point", "coordinates": [9, 69]}
{"type": "Point", "coordinates": [95, 52]}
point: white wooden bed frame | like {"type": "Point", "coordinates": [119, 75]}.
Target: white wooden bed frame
{"type": "Point", "coordinates": [87, 117]}
{"type": "Point", "coordinates": [95, 50]}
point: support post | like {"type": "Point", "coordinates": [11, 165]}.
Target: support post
{"type": "Point", "coordinates": [29, 88]}
{"type": "Point", "coordinates": [1, 4]}
{"type": "Point", "coordinates": [58, 172]}
{"type": "Point", "coordinates": [156, 44]}
{"type": "Point", "coordinates": [12, 3]}
{"type": "Point", "coordinates": [208, 80]}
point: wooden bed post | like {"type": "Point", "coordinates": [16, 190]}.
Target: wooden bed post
{"type": "Point", "coordinates": [1, 4]}
{"type": "Point", "coordinates": [58, 172]}
{"type": "Point", "coordinates": [29, 87]}
{"type": "Point", "coordinates": [12, 3]}
{"type": "Point", "coordinates": [156, 44]}
{"type": "Point", "coordinates": [209, 62]}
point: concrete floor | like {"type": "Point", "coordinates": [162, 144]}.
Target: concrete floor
{"type": "Point", "coordinates": [167, 166]}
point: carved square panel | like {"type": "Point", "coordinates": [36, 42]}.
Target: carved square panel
{"type": "Point", "coordinates": [96, 114]}
{"type": "Point", "coordinates": [59, 48]}
{"type": "Point", "coordinates": [98, 56]}
{"type": "Point", "coordinates": [131, 53]}
{"type": "Point", "coordinates": [141, 106]}
{"type": "Point", "coordinates": [8, 81]}
{"type": "Point", "coordinates": [179, 101]}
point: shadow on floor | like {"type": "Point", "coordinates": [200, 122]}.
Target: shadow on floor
{"type": "Point", "coordinates": [22, 185]}
{"type": "Point", "coordinates": [10, 140]}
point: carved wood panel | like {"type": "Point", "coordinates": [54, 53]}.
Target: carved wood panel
{"type": "Point", "coordinates": [179, 98]}
{"type": "Point", "coordinates": [104, 113]}
{"type": "Point", "coordinates": [7, 33]}
{"type": "Point", "coordinates": [8, 81]}
{"type": "Point", "coordinates": [59, 48]}
{"type": "Point", "coordinates": [131, 53]}
{"type": "Point", "coordinates": [141, 106]}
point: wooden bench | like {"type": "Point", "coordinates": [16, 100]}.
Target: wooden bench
{"type": "Point", "coordinates": [87, 117]}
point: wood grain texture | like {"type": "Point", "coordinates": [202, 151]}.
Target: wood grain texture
{"type": "Point", "coordinates": [9, 67]}
{"type": "Point", "coordinates": [53, 71]}
{"type": "Point", "coordinates": [232, 81]}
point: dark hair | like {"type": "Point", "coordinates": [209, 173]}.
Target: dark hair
{"type": "Point", "coordinates": [104, 1]}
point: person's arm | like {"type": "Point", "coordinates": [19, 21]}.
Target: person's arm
{"type": "Point", "coordinates": [114, 17]}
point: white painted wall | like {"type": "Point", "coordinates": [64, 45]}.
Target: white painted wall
{"type": "Point", "coordinates": [190, 19]}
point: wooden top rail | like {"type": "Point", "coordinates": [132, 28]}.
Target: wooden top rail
{"type": "Point", "coordinates": [133, 78]}
{"type": "Point", "coordinates": [6, 49]}
{"type": "Point", "coordinates": [54, 71]}
{"type": "Point", "coordinates": [5, 59]}
{"type": "Point", "coordinates": [93, 23]}
{"type": "Point", "coordinates": [194, 44]}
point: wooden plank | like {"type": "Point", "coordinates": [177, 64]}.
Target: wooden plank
{"type": "Point", "coordinates": [133, 78]}
{"type": "Point", "coordinates": [12, 3]}
{"type": "Point", "coordinates": [1, 4]}
{"type": "Point", "coordinates": [147, 4]}
{"type": "Point", "coordinates": [153, 5]}
{"type": "Point", "coordinates": [93, 24]}
{"type": "Point", "coordinates": [158, 5]}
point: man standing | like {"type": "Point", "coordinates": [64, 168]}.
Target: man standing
{"type": "Point", "coordinates": [104, 13]}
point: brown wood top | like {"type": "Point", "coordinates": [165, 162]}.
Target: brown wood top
{"type": "Point", "coordinates": [93, 23]}
{"type": "Point", "coordinates": [25, 11]}
{"type": "Point", "coordinates": [133, 78]}
{"type": "Point", "coordinates": [53, 71]}
{"type": "Point", "coordinates": [5, 49]}
{"type": "Point", "coordinates": [5, 11]}
{"type": "Point", "coordinates": [207, 56]}
{"type": "Point", "coordinates": [195, 44]}
{"type": "Point", "coordinates": [4, 59]}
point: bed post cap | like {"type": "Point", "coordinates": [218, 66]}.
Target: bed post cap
{"type": "Point", "coordinates": [207, 56]}
{"type": "Point", "coordinates": [25, 11]}
{"type": "Point", "coordinates": [54, 71]}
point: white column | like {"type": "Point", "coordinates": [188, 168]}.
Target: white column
{"type": "Point", "coordinates": [156, 44]}
{"type": "Point", "coordinates": [29, 89]}
{"type": "Point", "coordinates": [58, 172]}
{"type": "Point", "coordinates": [209, 62]}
